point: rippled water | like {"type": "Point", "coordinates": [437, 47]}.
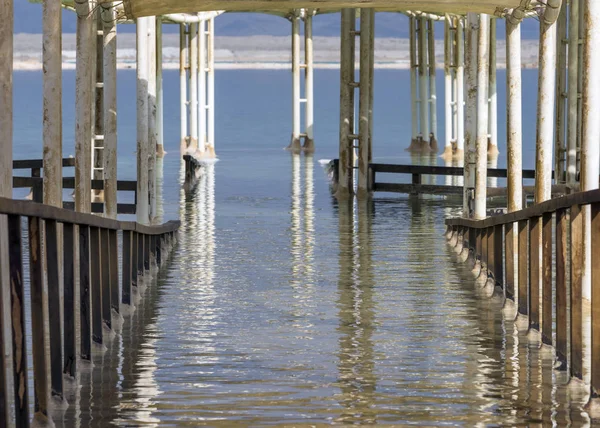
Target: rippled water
{"type": "Point", "coordinates": [281, 306]}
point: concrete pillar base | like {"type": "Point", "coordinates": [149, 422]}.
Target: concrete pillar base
{"type": "Point", "coordinates": [193, 146]}
{"type": "Point", "coordinates": [419, 145]}
{"type": "Point", "coordinates": [458, 154]}
{"type": "Point", "coordinates": [309, 145]}
{"type": "Point", "coordinates": [492, 149]}
{"type": "Point", "coordinates": [209, 152]}
{"type": "Point", "coordinates": [448, 153]}
{"type": "Point", "coordinates": [593, 407]}
{"type": "Point", "coordinates": [160, 151]}
{"type": "Point", "coordinates": [295, 145]}
{"type": "Point", "coordinates": [183, 145]}
{"type": "Point", "coordinates": [464, 254]}
{"type": "Point", "coordinates": [433, 143]}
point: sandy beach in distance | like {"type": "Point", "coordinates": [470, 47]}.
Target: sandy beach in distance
{"type": "Point", "coordinates": [254, 52]}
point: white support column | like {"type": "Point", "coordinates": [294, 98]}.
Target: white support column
{"type": "Point", "coordinates": [183, 86]}
{"type": "Point", "coordinates": [460, 84]}
{"type": "Point", "coordinates": [202, 87]}
{"type": "Point", "coordinates": [483, 80]}
{"type": "Point", "coordinates": [193, 49]}
{"type": "Point", "coordinates": [590, 147]}
{"type": "Point", "coordinates": [52, 102]}
{"type": "Point", "coordinates": [142, 208]}
{"type": "Point", "coordinates": [85, 51]}
{"type": "Point", "coordinates": [493, 94]}
{"type": "Point", "coordinates": [471, 113]}
{"type": "Point", "coordinates": [160, 150]}
{"type": "Point", "coordinates": [364, 101]}
{"type": "Point", "coordinates": [433, 135]}
{"type": "Point", "coordinates": [560, 137]}
{"type": "Point", "coordinates": [152, 132]}
{"type": "Point", "coordinates": [295, 141]}
{"type": "Point", "coordinates": [514, 132]}
{"type": "Point", "coordinates": [346, 152]}
{"type": "Point", "coordinates": [423, 75]}
{"type": "Point", "coordinates": [414, 102]}
{"type": "Point", "coordinates": [448, 86]}
{"type": "Point", "coordinates": [110, 111]}
{"type": "Point", "coordinates": [545, 112]}
{"type": "Point", "coordinates": [371, 79]}
{"type": "Point", "coordinates": [309, 141]}
{"type": "Point", "coordinates": [6, 98]}
{"type": "Point", "coordinates": [210, 88]}
{"type": "Point", "coordinates": [572, 100]}
{"type": "Point", "coordinates": [97, 171]}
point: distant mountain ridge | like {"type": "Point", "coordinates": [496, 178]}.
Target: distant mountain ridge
{"type": "Point", "coordinates": [28, 19]}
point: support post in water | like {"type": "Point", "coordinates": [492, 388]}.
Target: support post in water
{"type": "Point", "coordinates": [492, 148]}
{"type": "Point", "coordinates": [183, 86]}
{"type": "Point", "coordinates": [202, 68]}
{"type": "Point", "coordinates": [433, 134]}
{"type": "Point", "coordinates": [471, 116]}
{"type": "Point", "coordinates": [364, 102]}
{"type": "Point", "coordinates": [193, 50]}
{"type": "Point", "coordinates": [483, 68]}
{"type": "Point", "coordinates": [110, 111]}
{"type": "Point", "coordinates": [309, 140]}
{"type": "Point", "coordinates": [414, 101]}
{"type": "Point", "coordinates": [142, 206]}
{"type": "Point", "coordinates": [295, 141]}
{"type": "Point", "coordinates": [573, 118]}
{"type": "Point", "coordinates": [152, 132]}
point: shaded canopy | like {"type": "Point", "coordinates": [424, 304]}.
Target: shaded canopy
{"type": "Point", "coordinates": [139, 8]}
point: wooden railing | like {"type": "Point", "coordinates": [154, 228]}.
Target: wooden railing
{"type": "Point", "coordinates": [97, 260]}
{"type": "Point", "coordinates": [36, 183]}
{"type": "Point", "coordinates": [516, 268]}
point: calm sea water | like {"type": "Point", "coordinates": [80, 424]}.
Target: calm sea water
{"type": "Point", "coordinates": [280, 306]}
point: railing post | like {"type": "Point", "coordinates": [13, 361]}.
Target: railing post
{"type": "Point", "coordinates": [85, 308]}
{"type": "Point", "coordinates": [547, 278]}
{"type": "Point", "coordinates": [523, 268]}
{"type": "Point", "coordinates": [114, 270]}
{"type": "Point", "coordinates": [140, 257]}
{"type": "Point", "coordinates": [96, 283]}
{"type": "Point", "coordinates": [128, 240]}
{"type": "Point", "coordinates": [159, 248]}
{"type": "Point", "coordinates": [105, 273]}
{"type": "Point", "coordinates": [19, 344]}
{"type": "Point", "coordinates": [534, 273]}
{"type": "Point", "coordinates": [561, 287]}
{"type": "Point", "coordinates": [54, 320]}
{"type": "Point", "coordinates": [153, 250]}
{"type": "Point", "coordinates": [509, 250]}
{"type": "Point", "coordinates": [70, 343]}
{"type": "Point", "coordinates": [595, 254]}
{"type": "Point", "coordinates": [498, 260]}
{"type": "Point", "coordinates": [576, 292]}
{"type": "Point", "coordinates": [146, 252]}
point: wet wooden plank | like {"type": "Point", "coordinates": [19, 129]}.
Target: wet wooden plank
{"type": "Point", "coordinates": [498, 256]}
{"type": "Point", "coordinates": [85, 305]}
{"type": "Point", "coordinates": [523, 267]}
{"type": "Point", "coordinates": [534, 273]}
{"type": "Point", "coordinates": [561, 287]}
{"type": "Point", "coordinates": [38, 313]}
{"type": "Point", "coordinates": [547, 278]}
{"type": "Point", "coordinates": [54, 320]}
{"type": "Point", "coordinates": [146, 252]}
{"type": "Point", "coordinates": [19, 344]}
{"type": "Point", "coordinates": [96, 282]}
{"type": "Point", "coordinates": [576, 292]}
{"type": "Point", "coordinates": [127, 267]}
{"type": "Point", "coordinates": [595, 233]}
{"type": "Point", "coordinates": [484, 246]}
{"type": "Point", "coordinates": [134, 259]}
{"type": "Point", "coordinates": [478, 243]}
{"type": "Point", "coordinates": [159, 245]}
{"type": "Point", "coordinates": [491, 248]}
{"type": "Point", "coordinates": [105, 272]}
{"type": "Point", "coordinates": [114, 269]}
{"type": "Point", "coordinates": [510, 263]}
{"type": "Point", "coordinates": [70, 343]}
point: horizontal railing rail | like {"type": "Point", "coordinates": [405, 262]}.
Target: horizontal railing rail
{"type": "Point", "coordinates": [536, 255]}
{"type": "Point", "coordinates": [442, 170]}
{"type": "Point", "coordinates": [73, 243]}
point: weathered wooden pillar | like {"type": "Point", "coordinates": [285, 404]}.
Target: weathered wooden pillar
{"type": "Point", "coordinates": [560, 137]}
{"type": "Point", "coordinates": [160, 151]}
{"type": "Point", "coordinates": [423, 75]}
{"type": "Point", "coordinates": [98, 111]}
{"type": "Point", "coordinates": [295, 140]}
{"type": "Point", "coordinates": [433, 135]}
{"type": "Point", "coordinates": [202, 87]}
{"type": "Point", "coordinates": [364, 102]}
{"type": "Point", "coordinates": [590, 145]}
{"type": "Point", "coordinates": [110, 111]}
{"type": "Point", "coordinates": [193, 50]}
{"type": "Point", "coordinates": [460, 89]}
{"type": "Point", "coordinates": [576, 325]}
{"type": "Point", "coordinates": [152, 132]}
{"type": "Point", "coordinates": [483, 68]}
{"type": "Point", "coordinates": [471, 114]}
{"type": "Point", "coordinates": [562, 225]}
{"type": "Point", "coordinates": [346, 152]}
{"type": "Point", "coordinates": [493, 93]}
{"type": "Point", "coordinates": [309, 140]}
{"type": "Point", "coordinates": [210, 87]}
{"type": "Point", "coordinates": [183, 86]}
{"type": "Point", "coordinates": [86, 47]}
{"type": "Point", "coordinates": [572, 94]}
{"type": "Point", "coordinates": [414, 99]}
{"type": "Point", "coordinates": [142, 206]}
{"type": "Point", "coordinates": [448, 88]}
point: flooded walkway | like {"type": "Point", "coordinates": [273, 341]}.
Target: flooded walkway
{"type": "Point", "coordinates": [294, 309]}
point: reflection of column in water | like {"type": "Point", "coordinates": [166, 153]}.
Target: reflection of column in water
{"type": "Point", "coordinates": [448, 179]}
{"type": "Point", "coordinates": [309, 228]}
{"type": "Point", "coordinates": [183, 228]}
{"type": "Point", "coordinates": [355, 287]}
{"type": "Point", "coordinates": [492, 164]}
{"type": "Point", "coordinates": [295, 223]}
{"type": "Point", "coordinates": [208, 191]}
{"type": "Point", "coordinates": [159, 171]}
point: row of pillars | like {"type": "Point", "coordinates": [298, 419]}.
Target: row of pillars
{"type": "Point", "coordinates": [305, 15]}
{"type": "Point", "coordinates": [197, 86]}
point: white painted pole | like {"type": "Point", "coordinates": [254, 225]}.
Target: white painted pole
{"type": "Point", "coordinates": [514, 132]}
{"type": "Point", "coordinates": [572, 97]}
{"type": "Point", "coordinates": [110, 112]}
{"type": "Point", "coordinates": [471, 112]}
{"type": "Point", "coordinates": [52, 101]}
{"type": "Point", "coordinates": [590, 143]}
{"type": "Point", "coordinates": [493, 93]}
{"type": "Point", "coordinates": [448, 89]}
{"type": "Point", "coordinates": [160, 151]}
{"type": "Point", "coordinates": [364, 102]}
{"type": "Point", "coordinates": [460, 84]}
{"type": "Point", "coordinates": [545, 112]}
{"type": "Point", "coordinates": [142, 208]}
{"type": "Point", "coordinates": [371, 79]}
{"type": "Point", "coordinates": [295, 142]}
{"type": "Point", "coordinates": [193, 49]}
{"type": "Point", "coordinates": [423, 75]}
{"type": "Point", "coordinates": [309, 145]}
{"type": "Point", "coordinates": [210, 90]}
{"type": "Point", "coordinates": [483, 80]}
{"type": "Point", "coordinates": [183, 86]}
{"type": "Point", "coordinates": [6, 98]}
{"type": "Point", "coordinates": [432, 87]}
{"type": "Point", "coordinates": [560, 142]}
{"type": "Point", "coordinates": [152, 131]}
{"type": "Point", "coordinates": [85, 50]}
{"type": "Point", "coordinates": [414, 102]}
{"type": "Point", "coordinates": [346, 153]}
{"type": "Point", "coordinates": [202, 87]}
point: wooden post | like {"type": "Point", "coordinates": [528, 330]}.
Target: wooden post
{"type": "Point", "coordinates": [183, 86]}
{"type": "Point", "coordinates": [134, 259]}
{"type": "Point", "coordinates": [414, 98]}
{"type": "Point", "coordinates": [546, 279]}
{"type": "Point", "coordinates": [110, 112]}
{"type": "Point", "coordinates": [423, 74]}
{"type": "Point", "coordinates": [448, 86]}
{"type": "Point", "coordinates": [142, 205]}
{"type": "Point", "coordinates": [509, 245]}
{"type": "Point", "coordinates": [114, 270]}
{"type": "Point", "coordinates": [493, 93]}
{"type": "Point", "coordinates": [52, 102]}
{"type": "Point", "coordinates": [210, 87]}
{"type": "Point", "coordinates": [127, 267]}
{"type": "Point", "coordinates": [498, 259]}
{"type": "Point", "coordinates": [514, 117]}
{"type": "Point", "coordinates": [152, 131]}
{"type": "Point", "coordinates": [193, 49]}
{"type": "Point", "coordinates": [96, 284]}
{"type": "Point", "coordinates": [523, 268]}
{"type": "Point", "coordinates": [160, 151]}
{"type": "Point", "coordinates": [595, 274]}
{"type": "Point", "coordinates": [295, 142]}
{"type": "Point", "coordinates": [561, 97]}
{"type": "Point", "coordinates": [364, 102]}
{"type": "Point", "coordinates": [483, 69]}
{"type": "Point", "coordinates": [573, 94]}
{"type": "Point", "coordinates": [98, 111]}
{"type": "Point", "coordinates": [346, 152]}
{"type": "Point", "coordinates": [471, 116]}
{"type": "Point", "coordinates": [105, 274]}
{"type": "Point", "coordinates": [460, 85]}
{"type": "Point", "coordinates": [534, 273]}
{"type": "Point", "coordinates": [69, 322]}
{"type": "Point", "coordinates": [85, 308]}
{"type": "Point", "coordinates": [561, 287]}
{"type": "Point", "coordinates": [86, 42]}
{"type": "Point", "coordinates": [576, 292]}
{"type": "Point", "coordinates": [140, 256]}
{"type": "Point", "coordinates": [54, 319]}
{"type": "Point", "coordinates": [309, 144]}
{"type": "Point", "coordinates": [432, 86]}
{"type": "Point", "coordinates": [202, 72]}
